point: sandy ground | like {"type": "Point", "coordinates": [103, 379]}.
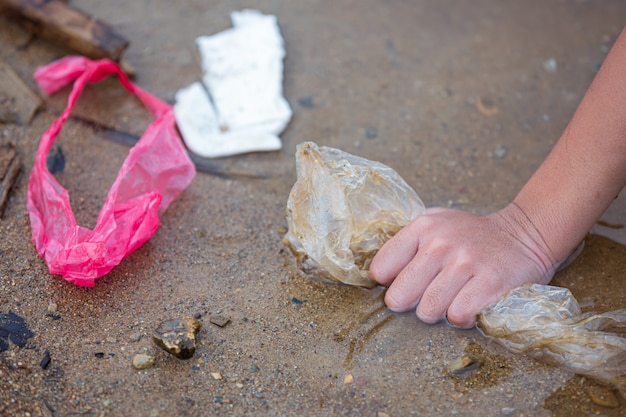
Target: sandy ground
{"type": "Point", "coordinates": [395, 81]}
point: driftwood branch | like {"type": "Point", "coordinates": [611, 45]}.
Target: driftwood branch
{"type": "Point", "coordinates": [56, 21]}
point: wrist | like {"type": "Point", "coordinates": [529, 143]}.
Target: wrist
{"type": "Point", "coordinates": [521, 226]}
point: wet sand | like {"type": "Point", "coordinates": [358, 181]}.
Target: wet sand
{"type": "Point", "coordinates": [457, 98]}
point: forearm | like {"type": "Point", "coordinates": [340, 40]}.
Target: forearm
{"type": "Point", "coordinates": [587, 167]}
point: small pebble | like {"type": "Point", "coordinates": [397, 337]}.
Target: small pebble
{"type": "Point", "coordinates": [604, 397]}
{"type": "Point", "coordinates": [220, 321]}
{"type": "Point", "coordinates": [216, 375]}
{"type": "Point", "coordinates": [306, 102]}
{"type": "Point", "coordinates": [501, 151]}
{"type": "Point", "coordinates": [550, 65]}
{"type": "Point", "coordinates": [371, 132]}
{"type": "Point", "coordinates": [141, 361]}
{"type": "Point", "coordinates": [507, 411]}
{"type": "Point", "coordinates": [52, 308]}
{"type": "Point", "coordinates": [135, 337]}
{"type": "Point", "coordinates": [348, 379]}
{"type": "Point", "coordinates": [45, 361]}
{"type": "Point", "coordinates": [464, 365]}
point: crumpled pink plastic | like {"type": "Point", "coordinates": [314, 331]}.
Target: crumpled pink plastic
{"type": "Point", "coordinates": [155, 171]}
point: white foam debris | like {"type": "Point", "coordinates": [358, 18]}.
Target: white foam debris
{"type": "Point", "coordinates": [239, 106]}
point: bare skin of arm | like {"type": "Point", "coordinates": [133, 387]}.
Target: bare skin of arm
{"type": "Point", "coordinates": [453, 263]}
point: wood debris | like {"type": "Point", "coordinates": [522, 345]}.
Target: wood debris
{"type": "Point", "coordinates": [56, 21]}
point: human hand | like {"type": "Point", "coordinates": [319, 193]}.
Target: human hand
{"type": "Point", "coordinates": [453, 263]}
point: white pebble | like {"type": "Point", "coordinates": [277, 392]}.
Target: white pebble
{"type": "Point", "coordinates": [142, 361]}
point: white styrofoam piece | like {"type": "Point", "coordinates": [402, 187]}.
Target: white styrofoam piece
{"type": "Point", "coordinates": [199, 126]}
{"type": "Point", "coordinates": [242, 70]}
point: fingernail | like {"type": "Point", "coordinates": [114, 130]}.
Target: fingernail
{"type": "Point", "coordinates": [456, 326]}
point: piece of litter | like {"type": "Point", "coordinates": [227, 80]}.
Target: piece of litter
{"type": "Point", "coordinates": [359, 204]}
{"type": "Point", "coordinates": [155, 171]}
{"type": "Point", "coordinates": [548, 323]}
{"type": "Point", "coordinates": [200, 127]}
{"type": "Point", "coordinates": [216, 375]}
{"type": "Point", "coordinates": [239, 106]}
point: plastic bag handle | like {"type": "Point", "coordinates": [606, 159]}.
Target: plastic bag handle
{"type": "Point", "coordinates": [56, 75]}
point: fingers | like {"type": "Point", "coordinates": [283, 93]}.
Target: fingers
{"type": "Point", "coordinates": [407, 289]}
{"type": "Point", "coordinates": [394, 255]}
{"type": "Point", "coordinates": [442, 292]}
{"type": "Point", "coordinates": [465, 307]}
{"type": "Point", "coordinates": [454, 264]}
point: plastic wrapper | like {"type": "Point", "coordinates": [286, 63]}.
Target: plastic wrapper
{"type": "Point", "coordinates": [341, 210]}
{"type": "Point", "coordinates": [547, 323]}
{"type": "Point", "coordinates": [155, 171]}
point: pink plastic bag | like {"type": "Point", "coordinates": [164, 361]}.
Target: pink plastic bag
{"type": "Point", "coordinates": [155, 171]}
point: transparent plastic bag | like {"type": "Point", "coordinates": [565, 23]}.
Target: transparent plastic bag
{"type": "Point", "coordinates": [155, 171]}
{"type": "Point", "coordinates": [341, 210]}
{"type": "Point", "coordinates": [546, 322]}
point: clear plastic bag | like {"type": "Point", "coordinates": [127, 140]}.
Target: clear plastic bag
{"type": "Point", "coordinates": [155, 171]}
{"type": "Point", "coordinates": [546, 322]}
{"type": "Point", "coordinates": [341, 210]}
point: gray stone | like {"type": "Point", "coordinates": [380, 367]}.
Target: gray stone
{"type": "Point", "coordinates": [178, 336]}
{"type": "Point", "coordinates": [142, 361]}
